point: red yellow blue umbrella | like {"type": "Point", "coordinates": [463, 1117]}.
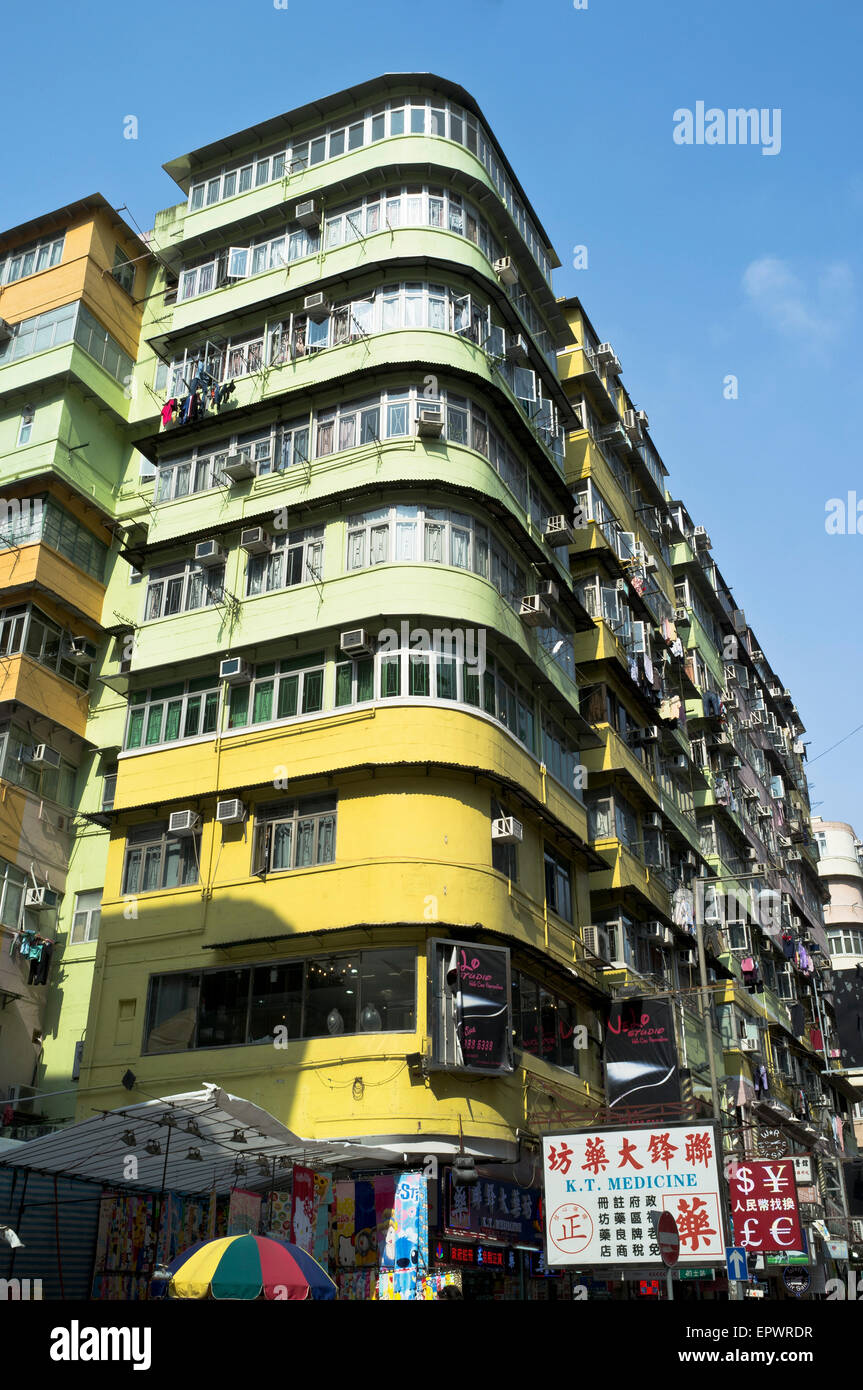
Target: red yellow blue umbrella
{"type": "Point", "coordinates": [247, 1267]}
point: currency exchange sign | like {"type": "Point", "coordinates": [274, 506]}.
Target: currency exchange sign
{"type": "Point", "coordinates": [603, 1186]}
{"type": "Point", "coordinates": [764, 1209]}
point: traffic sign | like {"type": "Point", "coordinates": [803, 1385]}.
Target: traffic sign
{"type": "Point", "coordinates": [735, 1262]}
{"type": "Point", "coordinates": [667, 1237]}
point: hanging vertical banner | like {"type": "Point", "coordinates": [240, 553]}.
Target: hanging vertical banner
{"type": "Point", "coordinates": [244, 1212]}
{"type": "Point", "coordinates": [478, 979]}
{"type": "Point", "coordinates": [764, 1211]}
{"type": "Point", "coordinates": [640, 1054]}
{"type": "Point", "coordinates": [405, 1250]}
{"type": "Point", "coordinates": [303, 1208]}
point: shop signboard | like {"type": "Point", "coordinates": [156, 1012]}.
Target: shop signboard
{"type": "Point", "coordinates": [493, 1211]}
{"type": "Point", "coordinates": [471, 1006]}
{"type": "Point", "coordinates": [640, 1054]}
{"type": "Point", "coordinates": [601, 1187]}
{"type": "Point", "coordinates": [803, 1168]}
{"type": "Point", "coordinates": [465, 1254]}
{"type": "Point", "coordinates": [764, 1212]}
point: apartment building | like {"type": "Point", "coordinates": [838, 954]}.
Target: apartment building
{"type": "Point", "coordinates": [840, 865]}
{"type": "Point", "coordinates": [69, 324]}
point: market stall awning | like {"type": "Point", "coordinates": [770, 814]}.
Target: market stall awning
{"type": "Point", "coordinates": [205, 1138]}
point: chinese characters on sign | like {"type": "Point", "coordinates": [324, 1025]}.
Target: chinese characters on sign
{"type": "Point", "coordinates": [640, 1056]}
{"type": "Point", "coordinates": [602, 1185]}
{"type": "Point", "coordinates": [764, 1210]}
{"type": "Point", "coordinates": [494, 1211]}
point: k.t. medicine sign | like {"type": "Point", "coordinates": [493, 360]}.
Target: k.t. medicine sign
{"type": "Point", "coordinates": [603, 1186]}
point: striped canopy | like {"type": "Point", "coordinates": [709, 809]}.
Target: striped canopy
{"type": "Point", "coordinates": [248, 1267]}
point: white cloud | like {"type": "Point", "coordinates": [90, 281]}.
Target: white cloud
{"type": "Point", "coordinates": [816, 311]}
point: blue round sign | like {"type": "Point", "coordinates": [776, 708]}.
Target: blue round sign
{"type": "Point", "coordinates": [796, 1280]}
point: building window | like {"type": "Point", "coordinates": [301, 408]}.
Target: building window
{"type": "Point", "coordinates": [847, 942]}
{"type": "Point", "coordinates": [53, 783]}
{"type": "Point", "coordinates": [295, 558]}
{"type": "Point", "coordinates": [544, 1023]}
{"type": "Point", "coordinates": [12, 885]}
{"type": "Point", "coordinates": [124, 270]}
{"type": "Point", "coordinates": [25, 428]}
{"type": "Point", "coordinates": [25, 629]}
{"type": "Point", "coordinates": [326, 996]}
{"type": "Point", "coordinates": [156, 860]}
{"type": "Point", "coordinates": [558, 884]}
{"type": "Point", "coordinates": [31, 259]}
{"type": "Point", "coordinates": [85, 922]}
{"type": "Point", "coordinates": [182, 587]}
{"type": "Point", "coordinates": [295, 834]}
{"type": "Point", "coordinates": [279, 690]}
{"type": "Point", "coordinates": [504, 857]}
{"type": "Point", "coordinates": [171, 713]}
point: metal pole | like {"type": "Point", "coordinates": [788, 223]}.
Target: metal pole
{"type": "Point", "coordinates": [669, 1283]}
{"type": "Point", "coordinates": [707, 1019]}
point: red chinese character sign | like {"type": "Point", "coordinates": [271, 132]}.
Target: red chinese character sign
{"type": "Point", "coordinates": [764, 1210]}
{"type": "Point", "coordinates": [602, 1188]}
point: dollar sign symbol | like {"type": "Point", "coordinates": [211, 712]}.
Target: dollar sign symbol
{"type": "Point", "coordinates": [745, 1181]}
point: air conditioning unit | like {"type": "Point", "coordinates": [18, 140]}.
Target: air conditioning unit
{"type": "Point", "coordinates": [81, 652]}
{"type": "Point", "coordinates": [641, 416]}
{"type": "Point", "coordinates": [516, 350]}
{"type": "Point", "coordinates": [255, 540]}
{"type": "Point", "coordinates": [784, 841]}
{"type": "Point", "coordinates": [5, 331]}
{"type": "Point", "coordinates": [690, 859]}
{"type": "Point", "coordinates": [507, 831]}
{"type": "Point", "coordinates": [505, 271]}
{"type": "Point", "coordinates": [631, 423]}
{"type": "Point", "coordinates": [794, 855]}
{"type": "Point", "coordinates": [797, 922]}
{"type": "Point", "coordinates": [317, 306]}
{"type": "Point", "coordinates": [558, 531]}
{"type": "Point", "coordinates": [356, 642]}
{"type": "Point", "coordinates": [748, 1044]}
{"type": "Point", "coordinates": [758, 867]}
{"type": "Point", "coordinates": [42, 899]}
{"type": "Point", "coordinates": [735, 761]}
{"type": "Point", "coordinates": [239, 467]}
{"type": "Point", "coordinates": [43, 756]}
{"type": "Point", "coordinates": [607, 357]}
{"type": "Point", "coordinates": [750, 794]}
{"type": "Point", "coordinates": [655, 930]}
{"type": "Point", "coordinates": [235, 671]}
{"type": "Point", "coordinates": [681, 615]}
{"type": "Point", "coordinates": [650, 563]}
{"type": "Point", "coordinates": [667, 936]}
{"type": "Point", "coordinates": [308, 214]}
{"type": "Point", "coordinates": [679, 761]}
{"type": "Point", "coordinates": [21, 1098]}
{"type": "Point", "coordinates": [230, 812]}
{"type": "Point", "coordinates": [621, 586]}
{"type": "Point", "coordinates": [210, 553]}
{"type": "Point", "coordinates": [653, 820]}
{"type": "Point", "coordinates": [548, 589]}
{"type": "Point", "coordinates": [650, 734]}
{"type": "Point", "coordinates": [731, 702]}
{"type": "Point", "coordinates": [596, 941]}
{"type": "Point", "coordinates": [534, 611]}
{"type": "Point", "coordinates": [430, 422]}
{"type": "Point", "coordinates": [701, 539]}
{"type": "Point", "coordinates": [183, 822]}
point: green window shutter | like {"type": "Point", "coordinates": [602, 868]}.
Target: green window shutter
{"type": "Point", "coordinates": [343, 683]}
{"type": "Point", "coordinates": [172, 722]}
{"type": "Point", "coordinates": [239, 707]}
{"type": "Point", "coordinates": [288, 687]}
{"type": "Point", "coordinates": [313, 691]}
{"type": "Point", "coordinates": [154, 724]}
{"type": "Point", "coordinates": [211, 712]}
{"type": "Point", "coordinates": [262, 709]}
{"type": "Point", "coordinates": [136, 729]}
{"type": "Point", "coordinates": [366, 679]}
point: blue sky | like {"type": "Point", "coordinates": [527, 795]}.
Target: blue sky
{"type": "Point", "coordinates": [703, 261]}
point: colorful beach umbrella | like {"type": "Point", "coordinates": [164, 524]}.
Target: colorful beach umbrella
{"type": "Point", "coordinates": [247, 1267]}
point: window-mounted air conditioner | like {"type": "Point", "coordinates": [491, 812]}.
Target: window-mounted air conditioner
{"type": "Point", "coordinates": [317, 306]}
{"type": "Point", "coordinates": [650, 734]}
{"type": "Point", "coordinates": [607, 357]}
{"type": "Point", "coordinates": [534, 611]}
{"type": "Point", "coordinates": [43, 756]}
{"type": "Point", "coordinates": [356, 642]}
{"type": "Point", "coordinates": [558, 531]}
{"type": "Point", "coordinates": [651, 563]}
{"type": "Point", "coordinates": [22, 1098]}
{"type": "Point", "coordinates": [430, 422]}
{"type": "Point", "coordinates": [794, 855]}
{"type": "Point", "coordinates": [681, 615]}
{"type": "Point", "coordinates": [239, 467]}
{"type": "Point", "coordinates": [255, 540]}
{"type": "Point", "coordinates": [701, 539]}
{"type": "Point", "coordinates": [210, 553]}
{"type": "Point", "coordinates": [507, 831]}
{"type": "Point", "coordinates": [81, 652]}
{"type": "Point", "coordinates": [655, 930]}
{"type": "Point", "coordinates": [679, 761]}
{"type": "Point", "coordinates": [784, 841]}
{"type": "Point", "coordinates": [621, 586]}
{"type": "Point", "coordinates": [183, 822]}
{"type": "Point", "coordinates": [516, 350]}
{"type": "Point", "coordinates": [653, 820]}
{"type": "Point", "coordinates": [505, 271]}
{"type": "Point", "coordinates": [748, 1044]}
{"type": "Point", "coordinates": [235, 671]}
{"type": "Point", "coordinates": [230, 812]}
{"type": "Point", "coordinates": [548, 589]}
{"type": "Point", "coordinates": [596, 941]}
{"type": "Point", "coordinates": [758, 867]}
{"type": "Point", "coordinates": [308, 214]}
{"type": "Point", "coordinates": [797, 922]}
{"type": "Point", "coordinates": [631, 423]}
{"type": "Point", "coordinates": [641, 416]}
{"type": "Point", "coordinates": [667, 936]}
{"type": "Point", "coordinates": [41, 899]}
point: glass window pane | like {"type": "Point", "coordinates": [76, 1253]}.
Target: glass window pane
{"type": "Point", "coordinates": [173, 1012]}
{"type": "Point", "coordinates": [224, 1007]}
{"type": "Point", "coordinates": [332, 986]}
{"type": "Point", "coordinates": [277, 1001]}
{"type": "Point", "coordinates": [387, 991]}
